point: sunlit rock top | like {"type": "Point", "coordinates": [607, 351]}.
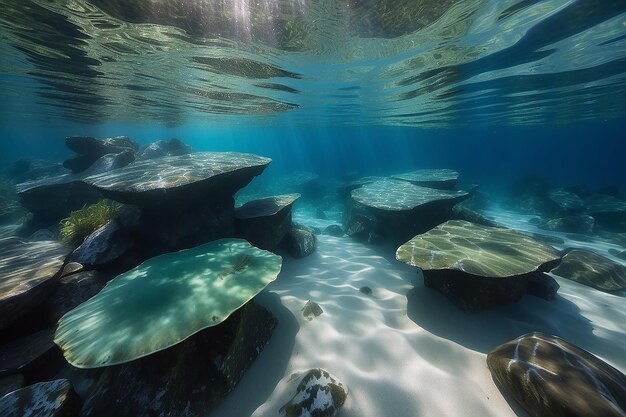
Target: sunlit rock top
{"type": "Point", "coordinates": [435, 178]}
{"type": "Point", "coordinates": [397, 195]}
{"type": "Point", "coordinates": [26, 271]}
{"type": "Point", "coordinates": [264, 207]}
{"type": "Point", "coordinates": [164, 301]}
{"type": "Point", "coordinates": [477, 250]}
{"type": "Point", "coordinates": [205, 171]}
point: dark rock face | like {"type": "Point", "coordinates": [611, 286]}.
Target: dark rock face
{"type": "Point", "coordinates": [608, 211]}
{"type": "Point", "coordinates": [359, 222]}
{"type": "Point", "coordinates": [71, 291]}
{"type": "Point", "coordinates": [299, 241]}
{"type": "Point", "coordinates": [105, 245]}
{"type": "Point", "coordinates": [28, 271]}
{"type": "Point", "coordinates": [29, 352]}
{"type": "Point", "coordinates": [45, 399]}
{"type": "Point", "coordinates": [542, 285]}
{"type": "Point", "coordinates": [188, 379]}
{"type": "Point", "coordinates": [333, 230]}
{"type": "Point", "coordinates": [318, 394]}
{"type": "Point", "coordinates": [161, 148]}
{"type": "Point", "coordinates": [474, 293]}
{"type": "Point", "coordinates": [463, 213]}
{"type": "Point", "coordinates": [550, 377]}
{"type": "Point", "coordinates": [570, 224]}
{"type": "Point", "coordinates": [265, 222]}
{"type": "Point", "coordinates": [591, 269]}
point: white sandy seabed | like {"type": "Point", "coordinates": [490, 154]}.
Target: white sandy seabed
{"type": "Point", "coordinates": [405, 351]}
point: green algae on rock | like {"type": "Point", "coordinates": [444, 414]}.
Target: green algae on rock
{"type": "Point", "coordinates": [164, 301]}
{"type": "Point", "coordinates": [476, 266]}
{"type": "Point", "coordinates": [589, 268]}
{"type": "Point", "coordinates": [550, 377]}
{"type": "Point", "coordinates": [477, 250]}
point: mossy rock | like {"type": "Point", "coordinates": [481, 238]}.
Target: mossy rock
{"type": "Point", "coordinates": [164, 301]}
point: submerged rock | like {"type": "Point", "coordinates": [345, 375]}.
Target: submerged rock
{"type": "Point", "coordinates": [477, 266]}
{"type": "Point", "coordinates": [188, 379]}
{"type": "Point", "coordinates": [105, 245]}
{"type": "Point", "coordinates": [334, 230]}
{"type": "Point", "coordinates": [591, 269]}
{"type": "Point", "coordinates": [20, 356]}
{"type": "Point", "coordinates": [608, 211]}
{"type": "Point", "coordinates": [543, 286]}
{"type": "Point", "coordinates": [403, 209]}
{"type": "Point", "coordinates": [299, 241]}
{"type": "Point", "coordinates": [189, 177]}
{"type": "Point", "coordinates": [549, 377]}
{"type": "Point", "coordinates": [570, 224]}
{"type": "Point", "coordinates": [443, 179]}
{"type": "Point", "coordinates": [311, 310]}
{"type": "Point", "coordinates": [90, 150]}
{"type": "Point", "coordinates": [318, 394]}
{"type": "Point", "coordinates": [71, 291]}
{"type": "Point", "coordinates": [265, 222]}
{"type": "Point", "coordinates": [28, 271]}
{"type": "Point", "coordinates": [163, 301]}
{"type": "Point", "coordinates": [161, 148]}
{"type": "Point", "coordinates": [45, 399]}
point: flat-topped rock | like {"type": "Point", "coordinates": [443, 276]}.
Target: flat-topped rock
{"type": "Point", "coordinates": [397, 195]}
{"type": "Point", "coordinates": [87, 145]}
{"type": "Point", "coordinates": [154, 180]}
{"type": "Point", "coordinates": [477, 266]}
{"type": "Point", "coordinates": [477, 250]}
{"type": "Point", "coordinates": [591, 269]}
{"type": "Point", "coordinates": [265, 207]}
{"type": "Point", "coordinates": [550, 377]}
{"type": "Point", "coordinates": [445, 179]}
{"type": "Point", "coordinates": [28, 270]}
{"type": "Point", "coordinates": [265, 222]}
{"type": "Point", "coordinates": [45, 399]}
{"type": "Point", "coordinates": [164, 301]}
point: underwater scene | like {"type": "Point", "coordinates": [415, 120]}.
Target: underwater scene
{"type": "Point", "coordinates": [313, 208]}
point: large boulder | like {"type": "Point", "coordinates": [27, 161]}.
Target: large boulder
{"type": "Point", "coordinates": [317, 394]}
{"type": "Point", "coordinates": [188, 379]}
{"type": "Point", "coordinates": [608, 211]}
{"type": "Point", "coordinates": [45, 399]}
{"type": "Point", "coordinates": [264, 222]}
{"type": "Point", "coordinates": [164, 301]}
{"type": "Point", "coordinates": [28, 272]}
{"type": "Point", "coordinates": [90, 149]}
{"type": "Point", "coordinates": [477, 266]}
{"type": "Point", "coordinates": [299, 241]}
{"type": "Point", "coordinates": [550, 377]}
{"type": "Point", "coordinates": [589, 268]}
{"type": "Point", "coordinates": [403, 209]}
{"type": "Point", "coordinates": [444, 179]}
{"type": "Point", "coordinates": [192, 177]}
{"type": "Point", "coordinates": [580, 223]}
